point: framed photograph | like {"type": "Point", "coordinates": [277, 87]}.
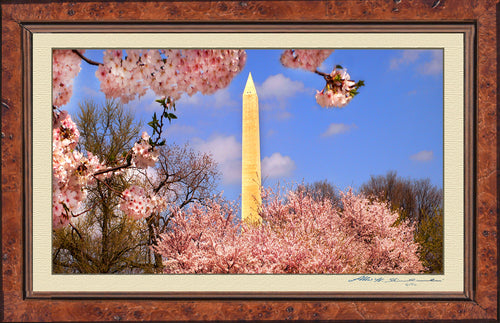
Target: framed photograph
{"type": "Point", "coordinates": [348, 168]}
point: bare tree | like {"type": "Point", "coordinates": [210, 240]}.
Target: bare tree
{"type": "Point", "coordinates": [182, 176]}
{"type": "Point", "coordinates": [411, 197]}
{"type": "Point", "coordinates": [321, 190]}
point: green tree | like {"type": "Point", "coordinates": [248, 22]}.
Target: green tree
{"type": "Point", "coordinates": [102, 239]}
{"type": "Point", "coordinates": [430, 238]}
{"type": "Point", "coordinates": [106, 131]}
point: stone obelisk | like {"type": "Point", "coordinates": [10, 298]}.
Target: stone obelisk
{"type": "Point", "coordinates": [250, 173]}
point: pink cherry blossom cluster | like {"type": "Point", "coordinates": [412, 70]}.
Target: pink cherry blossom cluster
{"type": "Point", "coordinates": [137, 205]}
{"type": "Point", "coordinates": [298, 235]}
{"type": "Point", "coordinates": [308, 59]}
{"type": "Point", "coordinates": [144, 155]}
{"type": "Point", "coordinates": [167, 72]}
{"type": "Point", "coordinates": [337, 92]}
{"type": "Point", "coordinates": [71, 170]}
{"type": "Point", "coordinates": [65, 66]}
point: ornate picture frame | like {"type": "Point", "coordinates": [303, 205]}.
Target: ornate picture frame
{"type": "Point", "coordinates": [476, 300]}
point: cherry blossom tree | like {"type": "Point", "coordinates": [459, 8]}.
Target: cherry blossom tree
{"type": "Point", "coordinates": [299, 235]}
{"type": "Point", "coordinates": [169, 73]}
{"type": "Point", "coordinates": [72, 171]}
{"type": "Point", "coordinates": [65, 67]}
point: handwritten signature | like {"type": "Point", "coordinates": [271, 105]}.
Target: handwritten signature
{"type": "Point", "coordinates": [393, 280]}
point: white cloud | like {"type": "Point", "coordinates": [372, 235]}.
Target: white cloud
{"type": "Point", "coordinates": [220, 99]}
{"type": "Point", "coordinates": [324, 66]}
{"type": "Point", "coordinates": [430, 67]}
{"type": "Point", "coordinates": [221, 147]}
{"type": "Point", "coordinates": [274, 93]}
{"type": "Point", "coordinates": [337, 128]}
{"type": "Point", "coordinates": [274, 111]}
{"type": "Point", "coordinates": [423, 156]}
{"type": "Point", "coordinates": [226, 151]}
{"type": "Point", "coordinates": [407, 57]}
{"type": "Point", "coordinates": [279, 87]}
{"type": "Point", "coordinates": [146, 102]}
{"type": "Point", "coordinates": [277, 165]}
{"type": "Point", "coordinates": [195, 99]}
{"type": "Point", "coordinates": [434, 66]}
{"type": "Point", "coordinates": [91, 92]}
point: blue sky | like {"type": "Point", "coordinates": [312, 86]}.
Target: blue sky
{"type": "Point", "coordinates": [395, 123]}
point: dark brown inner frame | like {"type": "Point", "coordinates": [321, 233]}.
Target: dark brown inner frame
{"type": "Point", "coordinates": [468, 31]}
{"type": "Point", "coordinates": [481, 304]}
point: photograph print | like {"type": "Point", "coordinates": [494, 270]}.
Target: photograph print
{"type": "Point", "coordinates": [247, 161]}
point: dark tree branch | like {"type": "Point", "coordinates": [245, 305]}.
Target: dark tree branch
{"type": "Point", "coordinates": [108, 186]}
{"type": "Point", "coordinates": [75, 230]}
{"type": "Point", "coordinates": [321, 73]}
{"type": "Point", "coordinates": [112, 169]}
{"type": "Point", "coordinates": [89, 61]}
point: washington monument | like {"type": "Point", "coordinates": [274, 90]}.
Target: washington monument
{"type": "Point", "coordinates": [250, 173]}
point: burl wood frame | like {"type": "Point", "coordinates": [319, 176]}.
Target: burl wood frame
{"type": "Point", "coordinates": [477, 19]}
